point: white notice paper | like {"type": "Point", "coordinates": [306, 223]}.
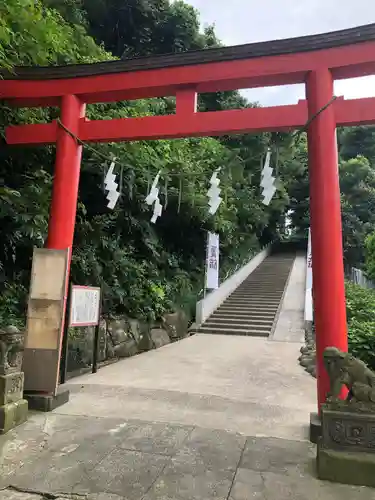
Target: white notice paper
{"type": "Point", "coordinates": [84, 306]}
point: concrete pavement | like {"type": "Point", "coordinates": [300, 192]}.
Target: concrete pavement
{"type": "Point", "coordinates": [68, 457]}
{"type": "Point", "coordinates": [210, 417]}
{"type": "Point", "coordinates": [247, 385]}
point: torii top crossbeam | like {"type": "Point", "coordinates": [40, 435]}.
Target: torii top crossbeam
{"type": "Point", "coordinates": [314, 60]}
{"type": "Point", "coordinates": [347, 54]}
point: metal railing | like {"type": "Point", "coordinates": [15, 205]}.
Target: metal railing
{"type": "Point", "coordinates": [358, 277]}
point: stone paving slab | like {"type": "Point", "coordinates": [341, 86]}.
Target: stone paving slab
{"type": "Point", "coordinates": [209, 450]}
{"type": "Point", "coordinates": [175, 485]}
{"type": "Point", "coordinates": [89, 458]}
{"type": "Point", "coordinates": [123, 472]}
{"type": "Point", "coordinates": [281, 456]}
{"type": "Point", "coordinates": [158, 438]}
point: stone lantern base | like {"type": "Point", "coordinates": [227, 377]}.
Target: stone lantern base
{"type": "Point", "coordinates": [13, 407]}
{"type": "Point", "coordinates": [13, 414]}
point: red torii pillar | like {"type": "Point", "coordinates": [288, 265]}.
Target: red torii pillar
{"type": "Point", "coordinates": [326, 227]}
{"type": "Point", "coordinates": [66, 177]}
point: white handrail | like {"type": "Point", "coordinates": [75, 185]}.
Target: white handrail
{"type": "Point", "coordinates": [214, 299]}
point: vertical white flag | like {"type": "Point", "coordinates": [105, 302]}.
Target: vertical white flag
{"type": "Point", "coordinates": [212, 262]}
{"type": "Point", "coordinates": [309, 314]}
{"type": "Point", "coordinates": [309, 277]}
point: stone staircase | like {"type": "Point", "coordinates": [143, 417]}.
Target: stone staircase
{"type": "Point", "coordinates": [253, 307]}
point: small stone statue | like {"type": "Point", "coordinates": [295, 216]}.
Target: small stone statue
{"type": "Point", "coordinates": [345, 369]}
{"type": "Point", "coordinates": [11, 347]}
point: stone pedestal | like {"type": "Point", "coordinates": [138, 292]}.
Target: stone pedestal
{"type": "Point", "coordinates": [315, 427]}
{"type": "Point", "coordinates": [47, 402]}
{"type": "Point", "coordinates": [13, 408]}
{"type": "Point", "coordinates": [346, 449]}
{"type": "Point", "coordinates": [346, 467]}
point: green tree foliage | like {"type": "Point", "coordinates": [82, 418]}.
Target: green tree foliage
{"type": "Point", "coordinates": [357, 141]}
{"type": "Point", "coordinates": [296, 177]}
{"type": "Point", "coordinates": [134, 28]}
{"type": "Point", "coordinates": [357, 184]}
{"type": "Point", "coordinates": [31, 34]}
{"type": "Point", "coordinates": [144, 269]}
{"type": "Point", "coordinates": [357, 181]}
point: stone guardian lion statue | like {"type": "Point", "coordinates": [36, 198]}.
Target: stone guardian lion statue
{"type": "Point", "coordinates": [346, 370]}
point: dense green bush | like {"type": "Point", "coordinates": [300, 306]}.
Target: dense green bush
{"type": "Point", "coordinates": [360, 306]}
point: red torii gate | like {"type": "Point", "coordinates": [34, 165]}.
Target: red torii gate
{"type": "Point", "coordinates": [314, 60]}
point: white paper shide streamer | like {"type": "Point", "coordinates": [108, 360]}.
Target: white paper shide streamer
{"type": "Point", "coordinates": [111, 186]}
{"type": "Point", "coordinates": [268, 181]}
{"type": "Point", "coordinates": [214, 193]}
{"type": "Point", "coordinates": [153, 199]}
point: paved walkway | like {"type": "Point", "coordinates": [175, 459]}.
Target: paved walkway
{"type": "Point", "coordinates": [211, 417]}
{"type": "Point", "coordinates": [290, 325]}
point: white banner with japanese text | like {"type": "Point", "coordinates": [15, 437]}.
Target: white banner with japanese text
{"type": "Point", "coordinates": [309, 314]}
{"type": "Point", "coordinates": [309, 278]}
{"type": "Point", "coordinates": [212, 262]}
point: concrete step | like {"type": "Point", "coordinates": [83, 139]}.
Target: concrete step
{"type": "Point", "coordinates": [272, 269]}
{"type": "Point", "coordinates": [227, 331]}
{"type": "Point", "coordinates": [244, 316]}
{"type": "Point", "coordinates": [239, 319]}
{"type": "Point", "coordinates": [266, 278]}
{"type": "Point", "coordinates": [251, 307]}
{"type": "Point", "coordinates": [257, 291]}
{"type": "Point", "coordinates": [261, 286]}
{"type": "Point", "coordinates": [257, 295]}
{"type": "Point", "coordinates": [243, 320]}
{"type": "Point", "coordinates": [260, 290]}
{"type": "Point", "coordinates": [270, 312]}
{"type": "Point", "coordinates": [233, 326]}
{"type": "Point", "coordinates": [269, 270]}
{"type": "Point", "coordinates": [245, 307]}
{"type": "Point", "coordinates": [266, 285]}
{"type": "Point", "coordinates": [256, 302]}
